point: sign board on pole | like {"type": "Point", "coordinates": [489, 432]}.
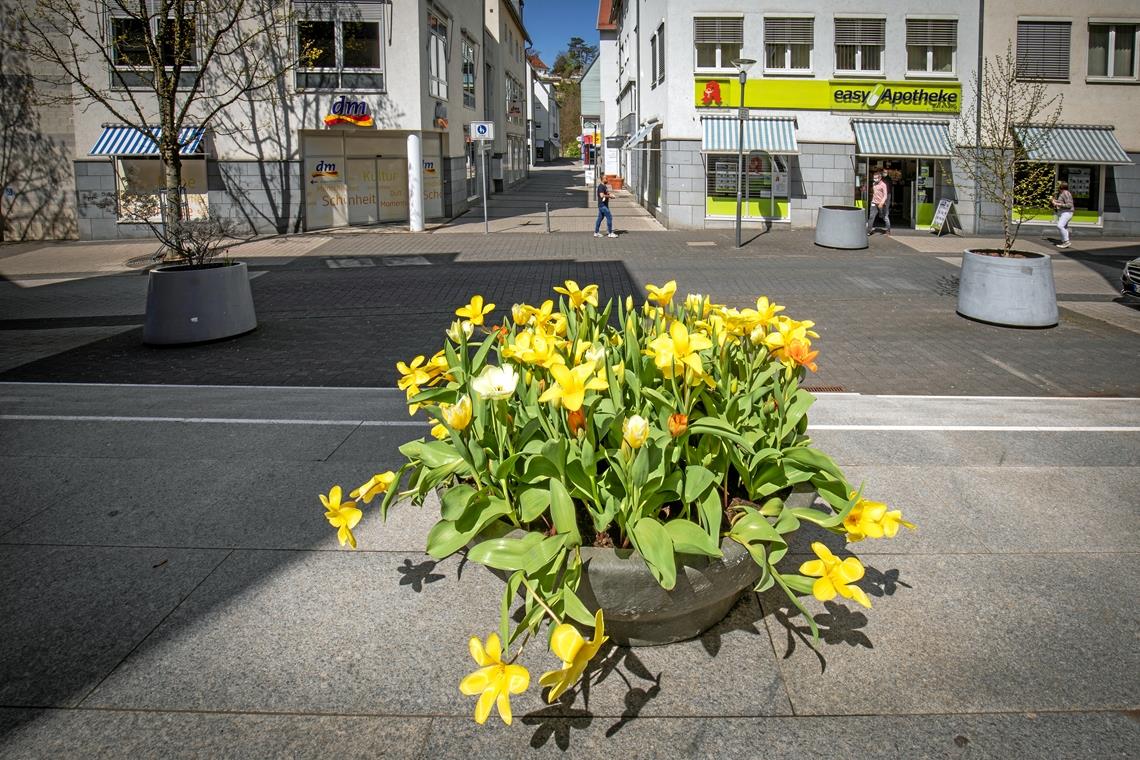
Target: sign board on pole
{"type": "Point", "coordinates": [940, 216]}
{"type": "Point", "coordinates": [482, 130]}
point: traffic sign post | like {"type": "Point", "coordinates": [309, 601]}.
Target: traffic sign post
{"type": "Point", "coordinates": [483, 132]}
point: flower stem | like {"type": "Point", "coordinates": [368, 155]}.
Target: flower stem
{"type": "Point", "coordinates": [538, 599]}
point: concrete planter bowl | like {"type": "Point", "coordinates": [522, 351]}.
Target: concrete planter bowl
{"type": "Point", "coordinates": [841, 227]}
{"type": "Point", "coordinates": [1010, 291]}
{"type": "Point", "coordinates": [194, 304]}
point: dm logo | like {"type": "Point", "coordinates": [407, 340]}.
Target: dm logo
{"type": "Point", "coordinates": [345, 111]}
{"type": "Point", "coordinates": [324, 171]}
{"type": "Point", "coordinates": [711, 94]}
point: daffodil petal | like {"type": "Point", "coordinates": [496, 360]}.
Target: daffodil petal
{"type": "Point", "coordinates": [477, 682]}
{"type": "Point", "coordinates": [483, 706]}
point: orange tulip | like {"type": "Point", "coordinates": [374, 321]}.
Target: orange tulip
{"type": "Point", "coordinates": [799, 352]}
{"type": "Point", "coordinates": [678, 424]}
{"type": "Point", "coordinates": [576, 421]}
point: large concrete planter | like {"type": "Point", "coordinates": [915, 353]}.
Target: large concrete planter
{"type": "Point", "coordinates": [841, 227]}
{"type": "Point", "coordinates": [1011, 291]}
{"type": "Point", "coordinates": [192, 304]}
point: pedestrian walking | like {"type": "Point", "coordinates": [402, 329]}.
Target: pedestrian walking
{"type": "Point", "coordinates": [880, 197]}
{"type": "Point", "coordinates": [603, 195]}
{"type": "Point", "coordinates": [1064, 205]}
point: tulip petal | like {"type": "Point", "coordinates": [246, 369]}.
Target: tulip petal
{"type": "Point", "coordinates": [823, 590]}
{"type": "Point", "coordinates": [851, 570]}
{"type": "Point", "coordinates": [813, 567]}
{"type": "Point", "coordinates": [483, 706]}
{"type": "Point", "coordinates": [565, 642]}
{"type": "Point", "coordinates": [504, 704]}
{"type": "Point", "coordinates": [477, 682]}
{"type": "Point", "coordinates": [517, 678]}
{"type": "Point", "coordinates": [860, 596]}
{"type": "Point", "coordinates": [494, 648]}
{"type": "Point", "coordinates": [478, 653]}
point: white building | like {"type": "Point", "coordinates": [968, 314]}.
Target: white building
{"type": "Point", "coordinates": [543, 116]}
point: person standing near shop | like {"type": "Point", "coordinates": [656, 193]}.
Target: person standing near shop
{"type": "Point", "coordinates": [880, 197]}
{"type": "Point", "coordinates": [1064, 205]}
{"type": "Point", "coordinates": [603, 195]}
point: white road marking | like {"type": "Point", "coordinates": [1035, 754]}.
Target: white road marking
{"type": "Point", "coordinates": [987, 428]}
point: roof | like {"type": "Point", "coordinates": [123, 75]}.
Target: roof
{"type": "Point", "coordinates": [536, 62]}
{"type": "Point", "coordinates": [605, 16]}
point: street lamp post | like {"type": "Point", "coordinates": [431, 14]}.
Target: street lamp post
{"type": "Point", "coordinates": [741, 65]}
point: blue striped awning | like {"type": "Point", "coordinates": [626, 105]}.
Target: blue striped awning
{"type": "Point", "coordinates": [1072, 144]}
{"type": "Point", "coordinates": [128, 141]}
{"type": "Point", "coordinates": [771, 134]}
{"type": "Point", "coordinates": [901, 138]}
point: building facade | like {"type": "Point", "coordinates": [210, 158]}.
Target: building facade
{"type": "Point", "coordinates": [834, 94]}
{"type": "Point", "coordinates": [543, 116]}
{"type": "Point", "coordinates": [373, 127]}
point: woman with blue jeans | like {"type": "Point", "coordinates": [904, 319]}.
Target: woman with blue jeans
{"type": "Point", "coordinates": [603, 194]}
{"type": "Point", "coordinates": [1064, 205]}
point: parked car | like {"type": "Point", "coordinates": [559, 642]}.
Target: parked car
{"type": "Point", "coordinates": [1130, 280]}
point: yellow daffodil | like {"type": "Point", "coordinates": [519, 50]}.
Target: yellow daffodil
{"type": "Point", "coordinates": [570, 385]}
{"type": "Point", "coordinates": [678, 351]}
{"type": "Point", "coordinates": [834, 576]}
{"type": "Point", "coordinates": [798, 352]}
{"type": "Point", "coordinates": [767, 310]}
{"type": "Point", "coordinates": [438, 368]}
{"type": "Point", "coordinates": [579, 297]}
{"type": "Point", "coordinates": [575, 652]}
{"type": "Point", "coordinates": [635, 431]}
{"type": "Point", "coordinates": [376, 485]}
{"type": "Point", "coordinates": [475, 311]}
{"type": "Point", "coordinates": [870, 519]}
{"type": "Point", "coordinates": [496, 382]}
{"type": "Point", "coordinates": [457, 415]}
{"type": "Point", "coordinates": [341, 515]}
{"type": "Point", "coordinates": [413, 375]}
{"type": "Point", "coordinates": [662, 296]}
{"type": "Point", "coordinates": [494, 681]}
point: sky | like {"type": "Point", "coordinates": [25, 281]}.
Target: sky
{"type": "Point", "coordinates": [551, 23]}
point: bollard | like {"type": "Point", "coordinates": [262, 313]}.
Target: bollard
{"type": "Point", "coordinates": [548, 218]}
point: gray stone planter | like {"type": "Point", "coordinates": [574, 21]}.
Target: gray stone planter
{"type": "Point", "coordinates": [1015, 292]}
{"type": "Point", "coordinates": [192, 304]}
{"type": "Point", "coordinates": [841, 227]}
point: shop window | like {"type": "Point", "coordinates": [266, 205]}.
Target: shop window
{"type": "Point", "coordinates": [764, 194]}
{"type": "Point", "coordinates": [437, 56]}
{"type": "Point", "coordinates": [931, 46]}
{"type": "Point", "coordinates": [514, 101]}
{"type": "Point", "coordinates": [718, 41]}
{"type": "Point", "coordinates": [859, 44]}
{"type": "Point", "coordinates": [142, 186]}
{"type": "Point", "coordinates": [788, 44]}
{"type": "Point", "coordinates": [336, 53]}
{"type": "Point", "coordinates": [1112, 51]}
{"type": "Point", "coordinates": [1043, 50]}
{"type": "Point", "coordinates": [1038, 184]}
{"type": "Point", "coordinates": [175, 42]}
{"type": "Point", "coordinates": [470, 67]}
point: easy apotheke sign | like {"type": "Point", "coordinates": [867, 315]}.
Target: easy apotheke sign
{"type": "Point", "coordinates": [832, 95]}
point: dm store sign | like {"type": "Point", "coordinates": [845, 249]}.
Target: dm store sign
{"type": "Point", "coordinates": [345, 111]}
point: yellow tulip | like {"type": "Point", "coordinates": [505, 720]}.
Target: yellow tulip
{"type": "Point", "coordinates": [662, 296]}
{"type": "Point", "coordinates": [475, 311]}
{"type": "Point", "coordinates": [579, 297]}
{"type": "Point", "coordinates": [834, 576]}
{"type": "Point", "coordinates": [635, 431]}
{"type": "Point", "coordinates": [413, 375]}
{"type": "Point", "coordinates": [570, 385]}
{"type": "Point", "coordinates": [767, 310]}
{"type": "Point", "coordinates": [678, 351]}
{"type": "Point", "coordinates": [375, 486]}
{"type": "Point", "coordinates": [575, 652]}
{"type": "Point", "coordinates": [870, 519]}
{"type": "Point", "coordinates": [458, 415]}
{"type": "Point", "coordinates": [494, 681]}
{"type": "Point", "coordinates": [460, 328]}
{"type": "Point", "coordinates": [342, 516]}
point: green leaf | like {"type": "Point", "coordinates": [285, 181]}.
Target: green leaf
{"type": "Point", "coordinates": [753, 528]}
{"type": "Point", "coordinates": [799, 583]}
{"type": "Point", "coordinates": [814, 460]}
{"type": "Point", "coordinates": [639, 473]}
{"type": "Point", "coordinates": [697, 480]}
{"type": "Point", "coordinates": [455, 501]}
{"type": "Point", "coordinates": [717, 427]}
{"type": "Point", "coordinates": [481, 354]}
{"type": "Point", "coordinates": [574, 608]}
{"type": "Point", "coordinates": [655, 546]}
{"type": "Point", "coordinates": [562, 513]}
{"type": "Point", "coordinates": [444, 539]}
{"type": "Point", "coordinates": [509, 592]}
{"type": "Point", "coordinates": [439, 454]}
{"type": "Point", "coordinates": [533, 502]}
{"type": "Point", "coordinates": [505, 553]}
{"type": "Point", "coordinates": [712, 514]}
{"type": "Point", "coordinates": [690, 538]}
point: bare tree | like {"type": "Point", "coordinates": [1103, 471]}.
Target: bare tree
{"type": "Point", "coordinates": [171, 64]}
{"type": "Point", "coordinates": [992, 152]}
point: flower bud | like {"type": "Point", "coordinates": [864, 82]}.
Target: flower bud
{"type": "Point", "coordinates": [635, 431]}
{"type": "Point", "coordinates": [576, 421]}
{"type": "Point", "coordinates": [678, 424]}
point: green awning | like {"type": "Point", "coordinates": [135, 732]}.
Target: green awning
{"type": "Point", "coordinates": [901, 138]}
{"type": "Point", "coordinates": [1078, 144]}
{"type": "Point", "coordinates": [771, 134]}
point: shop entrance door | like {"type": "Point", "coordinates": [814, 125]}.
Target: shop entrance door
{"type": "Point", "coordinates": [362, 198]}
{"type": "Point", "coordinates": [392, 189]}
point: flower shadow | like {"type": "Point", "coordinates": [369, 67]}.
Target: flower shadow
{"type": "Point", "coordinates": [839, 625]}
{"type": "Point", "coordinates": [417, 576]}
{"type": "Point", "coordinates": [882, 583]}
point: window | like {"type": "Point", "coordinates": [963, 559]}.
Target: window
{"type": "Point", "coordinates": [718, 41]}
{"type": "Point", "coordinates": [437, 56]}
{"type": "Point", "coordinates": [336, 53]}
{"type": "Point", "coordinates": [469, 70]}
{"type": "Point", "coordinates": [788, 44]}
{"type": "Point", "coordinates": [931, 46]}
{"type": "Point", "coordinates": [176, 43]}
{"type": "Point", "coordinates": [1043, 50]}
{"type": "Point", "coordinates": [1112, 50]}
{"type": "Point", "coordinates": [514, 101]}
{"type": "Point", "coordinates": [661, 53]}
{"type": "Point", "coordinates": [859, 44]}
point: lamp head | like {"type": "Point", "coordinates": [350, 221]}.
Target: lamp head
{"type": "Point", "coordinates": [742, 65]}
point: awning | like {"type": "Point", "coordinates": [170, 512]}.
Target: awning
{"type": "Point", "coordinates": [640, 134]}
{"type": "Point", "coordinates": [771, 134]}
{"type": "Point", "coordinates": [128, 141]}
{"type": "Point", "coordinates": [902, 138]}
{"type": "Point", "coordinates": [1078, 144]}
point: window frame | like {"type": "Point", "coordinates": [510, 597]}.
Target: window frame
{"type": "Point", "coordinates": [1109, 77]}
{"type": "Point", "coordinates": [660, 53]}
{"type": "Point", "coordinates": [512, 84]}
{"type": "Point", "coordinates": [929, 72]}
{"type": "Point", "coordinates": [653, 60]}
{"type": "Point", "coordinates": [124, 76]}
{"type": "Point", "coordinates": [787, 69]}
{"type": "Point", "coordinates": [470, 97]}
{"type": "Point", "coordinates": [721, 65]}
{"type": "Point", "coordinates": [1022, 75]}
{"type": "Point", "coordinates": [857, 71]}
{"type": "Point", "coordinates": [338, 70]}
{"type": "Point", "coordinates": [439, 52]}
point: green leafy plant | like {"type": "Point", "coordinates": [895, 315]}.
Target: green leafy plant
{"type": "Point", "coordinates": [666, 429]}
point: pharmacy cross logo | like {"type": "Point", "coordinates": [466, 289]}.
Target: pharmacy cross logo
{"type": "Point", "coordinates": [712, 94]}
{"type": "Point", "coordinates": [345, 111]}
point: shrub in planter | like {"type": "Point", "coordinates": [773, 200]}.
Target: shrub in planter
{"type": "Point", "coordinates": [664, 429]}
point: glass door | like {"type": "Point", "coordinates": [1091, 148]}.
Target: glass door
{"type": "Point", "coordinates": [363, 207]}
{"type": "Point", "coordinates": [925, 195]}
